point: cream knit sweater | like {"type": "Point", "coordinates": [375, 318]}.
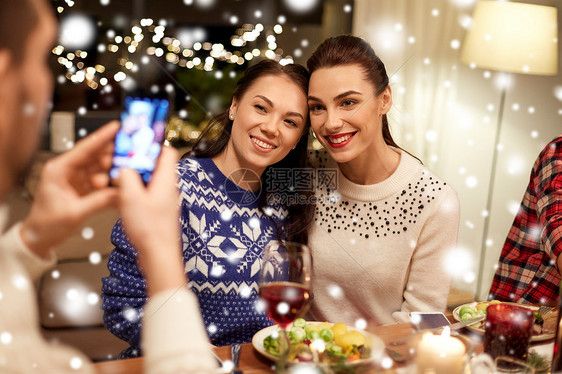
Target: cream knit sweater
{"type": "Point", "coordinates": [174, 337]}
{"type": "Point", "coordinates": [378, 250]}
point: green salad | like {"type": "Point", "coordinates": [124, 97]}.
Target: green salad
{"type": "Point", "coordinates": [331, 343]}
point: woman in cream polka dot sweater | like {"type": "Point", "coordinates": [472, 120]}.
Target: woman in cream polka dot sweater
{"type": "Point", "coordinates": [384, 223]}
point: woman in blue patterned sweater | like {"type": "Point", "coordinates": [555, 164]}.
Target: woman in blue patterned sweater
{"type": "Point", "coordinates": [236, 194]}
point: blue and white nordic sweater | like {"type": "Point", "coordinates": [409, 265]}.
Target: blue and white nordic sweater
{"type": "Point", "coordinates": [223, 236]}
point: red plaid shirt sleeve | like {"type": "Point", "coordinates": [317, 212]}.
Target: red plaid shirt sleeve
{"type": "Point", "coordinates": [527, 270]}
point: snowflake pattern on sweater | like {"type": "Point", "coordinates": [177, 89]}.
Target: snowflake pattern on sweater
{"type": "Point", "coordinates": [223, 236]}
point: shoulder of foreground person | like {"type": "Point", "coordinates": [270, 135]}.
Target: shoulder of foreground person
{"type": "Point", "coordinates": [11, 241]}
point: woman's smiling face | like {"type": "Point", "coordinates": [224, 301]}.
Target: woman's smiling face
{"type": "Point", "coordinates": [345, 112]}
{"type": "Point", "coordinates": [269, 120]}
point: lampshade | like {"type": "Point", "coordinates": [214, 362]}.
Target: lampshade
{"type": "Point", "coordinates": [513, 37]}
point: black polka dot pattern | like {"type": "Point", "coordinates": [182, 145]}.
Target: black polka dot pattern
{"type": "Point", "coordinates": [393, 216]}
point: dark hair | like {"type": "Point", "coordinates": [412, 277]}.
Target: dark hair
{"type": "Point", "coordinates": [17, 20]}
{"type": "Point", "coordinates": [215, 137]}
{"type": "Point", "coordinates": [351, 50]}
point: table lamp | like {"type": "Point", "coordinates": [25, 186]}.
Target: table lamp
{"type": "Point", "coordinates": [511, 38]}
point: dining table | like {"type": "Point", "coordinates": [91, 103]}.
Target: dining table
{"type": "Point", "coordinates": [252, 362]}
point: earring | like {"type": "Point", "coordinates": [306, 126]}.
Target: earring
{"type": "Point", "coordinates": [294, 147]}
{"type": "Point", "coordinates": [231, 116]}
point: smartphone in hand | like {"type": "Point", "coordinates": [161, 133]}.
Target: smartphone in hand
{"type": "Point", "coordinates": [139, 140]}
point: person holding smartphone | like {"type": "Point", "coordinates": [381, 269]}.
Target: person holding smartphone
{"type": "Point", "coordinates": [72, 187]}
{"type": "Point", "coordinates": [230, 209]}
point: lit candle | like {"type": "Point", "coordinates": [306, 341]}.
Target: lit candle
{"type": "Point", "coordinates": [440, 354]}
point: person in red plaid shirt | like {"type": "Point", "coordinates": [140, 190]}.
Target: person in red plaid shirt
{"type": "Point", "coordinates": [530, 262]}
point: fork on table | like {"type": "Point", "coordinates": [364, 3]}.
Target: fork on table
{"type": "Point", "coordinates": [235, 357]}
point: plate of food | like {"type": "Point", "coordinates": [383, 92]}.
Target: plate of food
{"type": "Point", "coordinates": [543, 329]}
{"type": "Point", "coordinates": [325, 342]}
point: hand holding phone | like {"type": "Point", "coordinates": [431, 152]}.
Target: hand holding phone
{"type": "Point", "coordinates": [139, 140]}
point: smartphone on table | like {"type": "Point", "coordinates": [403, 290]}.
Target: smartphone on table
{"type": "Point", "coordinates": [139, 140]}
{"type": "Point", "coordinates": [424, 320]}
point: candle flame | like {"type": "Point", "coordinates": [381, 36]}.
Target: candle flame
{"type": "Point", "coordinates": [446, 332]}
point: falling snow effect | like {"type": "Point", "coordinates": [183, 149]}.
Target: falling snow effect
{"type": "Point", "coordinates": [226, 215]}
{"type": "Point", "coordinates": [72, 294]}
{"type": "Point", "coordinates": [431, 136]}
{"type": "Point", "coordinates": [87, 233]}
{"type": "Point", "coordinates": [471, 181]}
{"type": "Point", "coordinates": [558, 92]}
{"type": "Point", "coordinates": [94, 258]}
{"type": "Point", "coordinates": [260, 306]}
{"type": "Point", "coordinates": [254, 223]}
{"type": "Point", "coordinates": [212, 329]}
{"type": "Point", "coordinates": [335, 291]}
{"type": "Point", "coordinates": [361, 324]}
{"type": "Point", "coordinates": [534, 134]}
{"type": "Point", "coordinates": [76, 363]}
{"type": "Point", "coordinates": [469, 277]}
{"type": "Point", "coordinates": [92, 298]}
{"type": "Point", "coordinates": [301, 6]}
{"type": "Point", "coordinates": [20, 282]}
{"type": "Point", "coordinates": [28, 109]}
{"type": "Point", "coordinates": [217, 271]}
{"type": "Point", "coordinates": [283, 308]}
{"type": "Point", "coordinates": [5, 337]}
{"type": "Point", "coordinates": [131, 315]}
{"type": "Point", "coordinates": [386, 363]}
{"type": "Point", "coordinates": [458, 262]}
{"type": "Point", "coordinates": [77, 31]}
{"type": "Point", "coordinates": [245, 291]}
{"type": "Point", "coordinates": [305, 369]}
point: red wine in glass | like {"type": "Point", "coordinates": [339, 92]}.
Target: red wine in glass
{"type": "Point", "coordinates": [285, 301]}
{"type": "Point", "coordinates": [285, 288]}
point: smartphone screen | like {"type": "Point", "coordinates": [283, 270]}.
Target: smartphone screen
{"type": "Point", "coordinates": [428, 320]}
{"type": "Point", "coordinates": [139, 140]}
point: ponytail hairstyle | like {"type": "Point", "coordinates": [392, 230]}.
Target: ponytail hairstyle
{"type": "Point", "coordinates": [351, 50]}
{"type": "Point", "coordinates": [215, 137]}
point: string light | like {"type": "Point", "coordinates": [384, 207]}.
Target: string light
{"type": "Point", "coordinates": [184, 52]}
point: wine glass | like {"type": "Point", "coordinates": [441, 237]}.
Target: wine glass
{"type": "Point", "coordinates": [285, 287]}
